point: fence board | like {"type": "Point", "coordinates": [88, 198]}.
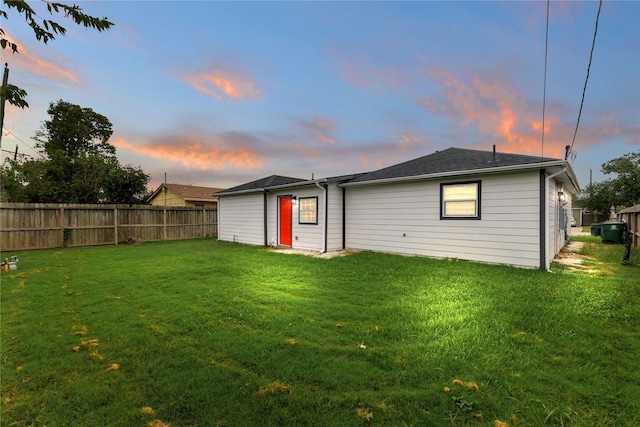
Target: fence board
{"type": "Point", "coordinates": [632, 217]}
{"type": "Point", "coordinates": [37, 226]}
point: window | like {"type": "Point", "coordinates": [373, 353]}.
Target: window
{"type": "Point", "coordinates": [308, 210]}
{"type": "Point", "coordinates": [460, 200]}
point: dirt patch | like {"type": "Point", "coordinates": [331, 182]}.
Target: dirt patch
{"type": "Point", "coordinates": [570, 256]}
{"type": "Point", "coordinates": [315, 254]}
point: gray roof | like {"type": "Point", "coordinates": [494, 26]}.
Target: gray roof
{"type": "Point", "coordinates": [259, 184]}
{"type": "Point", "coordinates": [450, 160]}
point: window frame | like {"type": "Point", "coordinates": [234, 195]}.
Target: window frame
{"type": "Point", "coordinates": [300, 221]}
{"type": "Point", "coordinates": [478, 201]}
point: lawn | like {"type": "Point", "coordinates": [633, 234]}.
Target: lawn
{"type": "Point", "coordinates": [206, 333]}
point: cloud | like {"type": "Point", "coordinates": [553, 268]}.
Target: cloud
{"type": "Point", "coordinates": [407, 140]}
{"type": "Point", "coordinates": [228, 150]}
{"type": "Point", "coordinates": [363, 71]}
{"type": "Point", "coordinates": [32, 62]}
{"type": "Point", "coordinates": [319, 129]}
{"type": "Point", "coordinates": [497, 109]}
{"type": "Point", "coordinates": [221, 83]}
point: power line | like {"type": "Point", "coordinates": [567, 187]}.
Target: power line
{"type": "Point", "coordinates": [593, 44]}
{"type": "Point", "coordinates": [544, 88]}
{"type": "Point", "coordinates": [8, 132]}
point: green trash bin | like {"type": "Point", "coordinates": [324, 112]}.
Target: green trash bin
{"type": "Point", "coordinates": [612, 231]}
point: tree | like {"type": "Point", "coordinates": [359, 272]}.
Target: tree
{"type": "Point", "coordinates": [79, 164]}
{"type": "Point", "coordinates": [627, 183]}
{"type": "Point", "coordinates": [44, 30]}
{"type": "Point", "coordinates": [623, 190]}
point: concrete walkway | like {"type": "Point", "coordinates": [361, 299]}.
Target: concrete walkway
{"type": "Point", "coordinates": [570, 255]}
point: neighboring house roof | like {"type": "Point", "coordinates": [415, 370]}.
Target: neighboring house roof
{"type": "Point", "coordinates": [260, 184]}
{"type": "Point", "coordinates": [189, 192]}
{"type": "Point", "coordinates": [452, 160]}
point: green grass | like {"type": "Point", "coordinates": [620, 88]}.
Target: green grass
{"type": "Point", "coordinates": [209, 334]}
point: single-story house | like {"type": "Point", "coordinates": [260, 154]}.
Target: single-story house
{"type": "Point", "coordinates": [457, 203]}
{"type": "Point", "coordinates": [183, 195]}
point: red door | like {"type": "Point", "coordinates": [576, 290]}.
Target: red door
{"type": "Point", "coordinates": [285, 221]}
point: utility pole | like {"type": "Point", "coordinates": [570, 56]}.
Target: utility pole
{"type": "Point", "coordinates": [5, 81]}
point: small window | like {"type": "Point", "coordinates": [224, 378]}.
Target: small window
{"type": "Point", "coordinates": [460, 200]}
{"type": "Point", "coordinates": [308, 210]}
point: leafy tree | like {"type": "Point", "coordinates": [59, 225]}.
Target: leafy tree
{"type": "Point", "coordinates": [44, 30]}
{"type": "Point", "coordinates": [623, 190]}
{"type": "Point", "coordinates": [78, 166]}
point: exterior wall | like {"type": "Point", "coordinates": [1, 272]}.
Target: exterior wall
{"type": "Point", "coordinates": [303, 236]}
{"type": "Point", "coordinates": [334, 216]}
{"type": "Point", "coordinates": [173, 199]}
{"type": "Point", "coordinates": [241, 218]}
{"type": "Point", "coordinates": [405, 218]}
{"type": "Point", "coordinates": [558, 228]}
{"type": "Point", "coordinates": [167, 198]}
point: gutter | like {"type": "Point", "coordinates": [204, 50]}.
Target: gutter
{"type": "Point", "coordinates": [274, 187]}
{"type": "Point", "coordinates": [298, 184]}
{"type": "Point", "coordinates": [232, 193]}
{"type": "Point", "coordinates": [456, 173]}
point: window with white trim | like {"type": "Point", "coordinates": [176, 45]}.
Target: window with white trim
{"type": "Point", "coordinates": [460, 200]}
{"type": "Point", "coordinates": [308, 210]}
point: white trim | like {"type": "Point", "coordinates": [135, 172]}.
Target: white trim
{"type": "Point", "coordinates": [482, 171]}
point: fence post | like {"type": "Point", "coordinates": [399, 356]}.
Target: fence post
{"type": "Point", "coordinates": [164, 224]}
{"type": "Point", "coordinates": [204, 220]}
{"type": "Point", "coordinates": [115, 224]}
{"type": "Point", "coordinates": [62, 226]}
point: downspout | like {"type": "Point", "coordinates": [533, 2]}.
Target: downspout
{"type": "Point", "coordinates": [266, 235]}
{"type": "Point", "coordinates": [217, 217]}
{"type": "Point", "coordinates": [344, 218]}
{"type": "Point", "coordinates": [547, 209]}
{"type": "Point", "coordinates": [326, 220]}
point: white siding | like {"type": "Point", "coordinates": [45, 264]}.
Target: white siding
{"type": "Point", "coordinates": [241, 218]}
{"type": "Point", "coordinates": [334, 217]}
{"type": "Point", "coordinates": [557, 235]}
{"type": "Point", "coordinates": [303, 236]}
{"type": "Point", "coordinates": [405, 218]}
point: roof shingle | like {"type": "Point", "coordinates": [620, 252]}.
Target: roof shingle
{"type": "Point", "coordinates": [451, 160]}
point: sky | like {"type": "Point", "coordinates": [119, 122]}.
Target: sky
{"type": "Point", "coordinates": [218, 94]}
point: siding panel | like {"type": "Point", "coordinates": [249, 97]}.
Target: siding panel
{"type": "Point", "coordinates": [241, 219]}
{"type": "Point", "coordinates": [405, 218]}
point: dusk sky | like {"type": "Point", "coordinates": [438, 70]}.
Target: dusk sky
{"type": "Point", "coordinates": [221, 93]}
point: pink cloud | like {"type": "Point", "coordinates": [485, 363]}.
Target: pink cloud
{"type": "Point", "coordinates": [32, 62]}
{"type": "Point", "coordinates": [319, 128]}
{"type": "Point", "coordinates": [408, 139]}
{"type": "Point", "coordinates": [221, 83]}
{"type": "Point", "coordinates": [200, 153]}
{"type": "Point", "coordinates": [498, 109]}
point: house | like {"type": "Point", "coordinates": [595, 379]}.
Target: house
{"type": "Point", "coordinates": [183, 195]}
{"type": "Point", "coordinates": [457, 203]}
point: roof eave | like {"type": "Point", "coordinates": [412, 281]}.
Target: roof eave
{"type": "Point", "coordinates": [510, 168]}
{"type": "Point", "coordinates": [310, 182]}
{"type": "Point", "coordinates": [297, 184]}
{"type": "Point", "coordinates": [233, 193]}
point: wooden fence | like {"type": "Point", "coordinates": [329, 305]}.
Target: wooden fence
{"type": "Point", "coordinates": [632, 217]}
{"type": "Point", "coordinates": [38, 226]}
